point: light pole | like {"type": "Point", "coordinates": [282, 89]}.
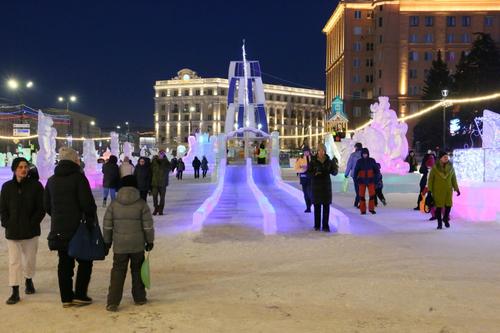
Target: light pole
{"type": "Point", "coordinates": [444, 93]}
{"type": "Point", "coordinates": [69, 99]}
{"type": "Point", "coordinates": [15, 86]}
{"type": "Point", "coordinates": [128, 130]}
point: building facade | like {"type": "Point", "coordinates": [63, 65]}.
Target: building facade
{"type": "Point", "coordinates": [386, 47]}
{"type": "Point", "coordinates": [188, 103]}
{"type": "Point", "coordinates": [14, 118]}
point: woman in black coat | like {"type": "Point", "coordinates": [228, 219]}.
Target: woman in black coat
{"type": "Point", "coordinates": [67, 199]}
{"type": "Point", "coordinates": [204, 166]}
{"type": "Point", "coordinates": [320, 169]}
{"type": "Point", "coordinates": [111, 179]}
{"type": "Point", "coordinates": [196, 166]}
{"type": "Point", "coordinates": [143, 176]}
{"type": "Point", "coordinates": [21, 209]}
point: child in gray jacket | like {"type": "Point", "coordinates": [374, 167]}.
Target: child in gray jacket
{"type": "Point", "coordinates": [128, 225]}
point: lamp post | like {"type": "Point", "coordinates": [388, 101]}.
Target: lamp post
{"type": "Point", "coordinates": [69, 99]}
{"type": "Point", "coordinates": [128, 130]}
{"type": "Point", "coordinates": [15, 86]}
{"type": "Point", "coordinates": [444, 94]}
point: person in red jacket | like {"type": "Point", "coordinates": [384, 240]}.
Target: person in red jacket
{"type": "Point", "coordinates": [365, 173]}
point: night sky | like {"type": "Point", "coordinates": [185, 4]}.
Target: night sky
{"type": "Point", "coordinates": [109, 53]}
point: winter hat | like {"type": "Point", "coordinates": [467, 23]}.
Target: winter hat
{"type": "Point", "coordinates": [68, 154]}
{"type": "Point", "coordinates": [365, 151]}
{"type": "Point", "coordinates": [16, 162]}
{"type": "Point", "coordinates": [441, 154]}
{"type": "Point", "coordinates": [130, 181]}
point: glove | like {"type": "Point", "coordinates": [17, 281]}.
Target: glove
{"type": "Point", "coordinates": [107, 248]}
{"type": "Point", "coordinates": [458, 193]}
{"type": "Point", "coordinates": [149, 246]}
{"type": "Point", "coordinates": [346, 176]}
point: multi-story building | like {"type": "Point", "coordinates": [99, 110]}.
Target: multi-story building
{"type": "Point", "coordinates": [386, 47]}
{"type": "Point", "coordinates": [14, 118]}
{"type": "Point", "coordinates": [188, 103]}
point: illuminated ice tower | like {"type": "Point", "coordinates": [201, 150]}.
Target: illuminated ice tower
{"type": "Point", "coordinates": [245, 98]}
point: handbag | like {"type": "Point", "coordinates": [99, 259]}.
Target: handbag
{"type": "Point", "coordinates": [87, 243]}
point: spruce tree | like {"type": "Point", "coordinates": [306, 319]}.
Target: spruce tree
{"type": "Point", "coordinates": [438, 79]}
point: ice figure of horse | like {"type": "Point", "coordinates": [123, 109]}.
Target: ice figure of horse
{"type": "Point", "coordinates": [385, 137]}
{"type": "Point", "coordinates": [46, 157]}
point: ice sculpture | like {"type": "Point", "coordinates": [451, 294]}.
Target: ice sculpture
{"type": "Point", "coordinates": [385, 137]}
{"type": "Point", "coordinates": [89, 156]}
{"type": "Point", "coordinates": [115, 145]}
{"type": "Point", "coordinates": [3, 160]}
{"type": "Point", "coordinates": [10, 159]}
{"type": "Point", "coordinates": [47, 140]}
{"type": "Point", "coordinates": [200, 145]}
{"type": "Point", "coordinates": [34, 158]}
{"type": "Point", "coordinates": [331, 148]}
{"type": "Point", "coordinates": [143, 152]}
{"type": "Point", "coordinates": [491, 129]}
{"type": "Point", "coordinates": [181, 151]}
{"type": "Point", "coordinates": [275, 144]}
{"type": "Point", "coordinates": [128, 148]}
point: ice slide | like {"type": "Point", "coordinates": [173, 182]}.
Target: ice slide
{"type": "Point", "coordinates": [256, 196]}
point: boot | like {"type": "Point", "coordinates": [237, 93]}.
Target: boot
{"type": "Point", "coordinates": [30, 288]}
{"type": "Point", "coordinates": [439, 218]}
{"type": "Point", "coordinates": [104, 203]}
{"type": "Point", "coordinates": [14, 298]}
{"type": "Point", "coordinates": [155, 212]}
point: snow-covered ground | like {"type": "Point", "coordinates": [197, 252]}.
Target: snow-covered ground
{"type": "Point", "coordinates": [395, 273]}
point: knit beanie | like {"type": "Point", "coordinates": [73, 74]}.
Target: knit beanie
{"type": "Point", "coordinates": [68, 154]}
{"type": "Point", "coordinates": [130, 181]}
{"type": "Point", "coordinates": [16, 161]}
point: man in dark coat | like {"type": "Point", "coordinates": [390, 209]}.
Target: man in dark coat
{"type": "Point", "coordinates": [204, 166]}
{"type": "Point", "coordinates": [349, 170]}
{"type": "Point", "coordinates": [160, 168]}
{"type": "Point", "coordinates": [67, 199]}
{"type": "Point", "coordinates": [320, 169]}
{"type": "Point", "coordinates": [196, 166]}
{"type": "Point", "coordinates": [111, 179]}
{"type": "Point", "coordinates": [142, 174]}
{"type": "Point", "coordinates": [21, 209]}
{"type": "Point", "coordinates": [366, 172]}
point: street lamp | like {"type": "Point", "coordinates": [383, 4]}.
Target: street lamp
{"type": "Point", "coordinates": [444, 93]}
{"type": "Point", "coordinates": [12, 84]}
{"type": "Point", "coordinates": [15, 85]}
{"type": "Point", "coordinates": [92, 123]}
{"type": "Point", "coordinates": [70, 99]}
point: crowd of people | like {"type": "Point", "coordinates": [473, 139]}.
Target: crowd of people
{"type": "Point", "coordinates": [128, 223]}
{"type": "Point", "coordinates": [67, 198]}
{"type": "Point", "coordinates": [436, 185]}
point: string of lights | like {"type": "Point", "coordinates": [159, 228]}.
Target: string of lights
{"type": "Point", "coordinates": [420, 113]}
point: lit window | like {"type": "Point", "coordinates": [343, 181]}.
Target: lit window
{"type": "Point", "coordinates": [466, 21]}
{"type": "Point", "coordinates": [413, 21]}
{"type": "Point", "coordinates": [488, 21]}
{"type": "Point", "coordinates": [356, 62]}
{"type": "Point", "coordinates": [357, 46]}
{"type": "Point", "coordinates": [413, 55]}
{"type": "Point", "coordinates": [466, 38]}
{"type": "Point", "coordinates": [413, 38]}
{"type": "Point", "coordinates": [357, 30]}
{"type": "Point", "coordinates": [451, 21]}
{"type": "Point", "coordinates": [429, 21]}
{"type": "Point", "coordinates": [428, 56]}
{"type": "Point", "coordinates": [449, 38]}
{"type": "Point", "coordinates": [429, 38]}
{"type": "Point", "coordinates": [450, 56]}
{"type": "Point", "coordinates": [357, 14]}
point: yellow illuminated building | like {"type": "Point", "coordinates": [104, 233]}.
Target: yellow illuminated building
{"type": "Point", "coordinates": [386, 48]}
{"type": "Point", "coordinates": [189, 103]}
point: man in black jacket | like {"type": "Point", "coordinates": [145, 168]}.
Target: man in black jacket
{"type": "Point", "coordinates": [21, 208]}
{"type": "Point", "coordinates": [68, 198]}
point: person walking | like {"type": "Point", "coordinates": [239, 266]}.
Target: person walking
{"type": "Point", "coordinates": [128, 226]}
{"type": "Point", "coordinates": [442, 182]}
{"type": "Point", "coordinates": [301, 167]}
{"type": "Point", "coordinates": [180, 168]}
{"type": "Point", "coordinates": [379, 186]}
{"type": "Point", "coordinates": [111, 179]}
{"type": "Point", "coordinates": [366, 171]}
{"type": "Point", "coordinates": [160, 169]}
{"type": "Point", "coordinates": [320, 169]}
{"type": "Point", "coordinates": [196, 166]}
{"type": "Point", "coordinates": [428, 162]}
{"type": "Point", "coordinates": [262, 154]}
{"type": "Point", "coordinates": [412, 161]}
{"type": "Point", "coordinates": [142, 174]}
{"type": "Point", "coordinates": [67, 199]}
{"type": "Point", "coordinates": [21, 210]}
{"type": "Point", "coordinates": [349, 170]}
{"type": "Point", "coordinates": [126, 168]}
{"type": "Point", "coordinates": [204, 166]}
{"type": "Point", "coordinates": [173, 164]}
